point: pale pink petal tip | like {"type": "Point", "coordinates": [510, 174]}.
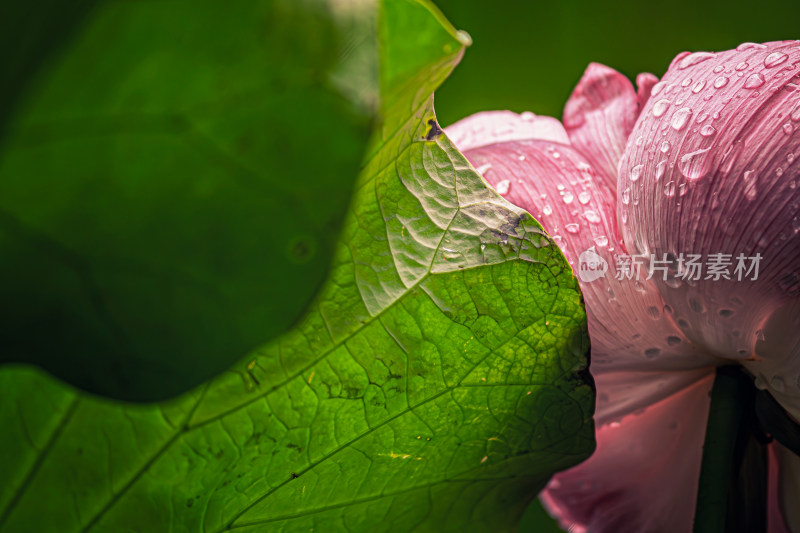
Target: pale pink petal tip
{"type": "Point", "coordinates": [599, 116]}
{"type": "Point", "coordinates": [491, 127]}
{"type": "Point", "coordinates": [644, 86]}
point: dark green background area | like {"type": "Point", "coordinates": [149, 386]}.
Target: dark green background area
{"type": "Point", "coordinates": [529, 55]}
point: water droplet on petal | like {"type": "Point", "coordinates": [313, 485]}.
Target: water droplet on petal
{"type": "Point", "coordinates": [694, 165]}
{"type": "Point", "coordinates": [718, 69]}
{"type": "Point", "coordinates": [652, 353]}
{"type": "Point", "coordinates": [777, 384]}
{"type": "Point", "coordinates": [626, 196]}
{"type": "Point", "coordinates": [636, 172]}
{"type": "Point", "coordinates": [654, 312]}
{"type": "Point", "coordinates": [572, 228]}
{"type": "Point", "coordinates": [694, 59]}
{"type": "Point", "coordinates": [547, 210]}
{"type": "Point", "coordinates": [503, 187]}
{"type": "Point", "coordinates": [686, 82]}
{"type": "Point", "coordinates": [601, 241]}
{"type": "Point", "coordinates": [527, 116]}
{"type": "Point", "coordinates": [788, 129]}
{"type": "Point", "coordinates": [660, 107]}
{"type": "Point", "coordinates": [665, 146]}
{"type": "Point", "coordinates": [774, 59]}
{"type": "Point", "coordinates": [720, 82]}
{"type": "Point", "coordinates": [795, 114]}
{"type": "Point", "coordinates": [681, 118]}
{"type": "Point", "coordinates": [584, 197]}
{"type": "Point", "coordinates": [742, 66]}
{"type": "Point", "coordinates": [750, 185]}
{"type": "Point", "coordinates": [754, 81]}
{"type": "Point", "coordinates": [483, 169]}
{"type": "Point", "coordinates": [673, 340]}
{"type": "Point", "coordinates": [749, 46]}
{"type": "Point", "coordinates": [660, 169]}
{"type": "Point", "coordinates": [592, 217]}
{"type": "Point", "coordinates": [669, 189]}
{"type": "Point", "coordinates": [699, 86]}
{"type": "Point", "coordinates": [708, 130]}
{"type": "Point", "coordinates": [568, 197]}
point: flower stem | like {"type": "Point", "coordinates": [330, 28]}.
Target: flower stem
{"type": "Point", "coordinates": [732, 491]}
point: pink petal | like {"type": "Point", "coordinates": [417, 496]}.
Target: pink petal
{"type": "Point", "coordinates": [643, 476]}
{"type": "Point", "coordinates": [634, 340]}
{"type": "Point", "coordinates": [489, 127]}
{"type": "Point", "coordinates": [717, 173]}
{"type": "Point", "coordinates": [599, 116]}
{"type": "Point", "coordinates": [644, 86]}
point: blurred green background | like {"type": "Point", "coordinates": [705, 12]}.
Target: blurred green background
{"type": "Point", "coordinates": [529, 55]}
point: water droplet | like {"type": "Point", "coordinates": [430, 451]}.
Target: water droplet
{"type": "Point", "coordinates": [774, 59]}
{"type": "Point", "coordinates": [547, 210]}
{"type": "Point", "coordinates": [795, 114]}
{"type": "Point", "coordinates": [483, 169]}
{"type": "Point", "coordinates": [750, 185]}
{"type": "Point", "coordinates": [669, 189]}
{"type": "Point", "coordinates": [749, 46]}
{"type": "Point", "coordinates": [636, 172]}
{"type": "Point", "coordinates": [779, 172]}
{"type": "Point", "coordinates": [665, 146]}
{"type": "Point", "coordinates": [742, 66]}
{"type": "Point", "coordinates": [708, 130]}
{"type": "Point", "coordinates": [626, 196]}
{"type": "Point", "coordinates": [696, 305]}
{"type": "Point", "coordinates": [788, 129]}
{"type": "Point", "coordinates": [568, 197]}
{"type": "Point", "coordinates": [718, 69]}
{"type": "Point", "coordinates": [464, 38]}
{"type": "Point", "coordinates": [601, 241]}
{"type": "Point", "coordinates": [572, 228]}
{"type": "Point", "coordinates": [777, 384]}
{"type": "Point", "coordinates": [654, 312]}
{"type": "Point", "coordinates": [450, 255]}
{"type": "Point", "coordinates": [699, 86]}
{"type": "Point", "coordinates": [673, 340]}
{"type": "Point", "coordinates": [694, 59]}
{"type": "Point", "coordinates": [694, 165]}
{"type": "Point", "coordinates": [681, 118]}
{"type": "Point", "coordinates": [720, 82]}
{"type": "Point", "coordinates": [652, 353]}
{"type": "Point", "coordinates": [503, 187]}
{"type": "Point", "coordinates": [658, 87]}
{"type": "Point", "coordinates": [760, 381]}
{"type": "Point", "coordinates": [660, 169]}
{"type": "Point", "coordinates": [527, 116]}
{"type": "Point", "coordinates": [790, 158]}
{"type": "Point", "coordinates": [754, 81]}
{"type": "Point", "coordinates": [686, 82]}
{"type": "Point", "coordinates": [592, 217]}
{"type": "Point", "coordinates": [556, 155]}
{"type": "Point", "coordinates": [660, 107]}
{"type": "Point", "coordinates": [725, 313]}
{"type": "Point", "coordinates": [639, 140]}
{"type": "Point", "coordinates": [584, 197]}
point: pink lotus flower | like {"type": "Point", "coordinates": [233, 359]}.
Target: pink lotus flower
{"type": "Point", "coordinates": [701, 162]}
